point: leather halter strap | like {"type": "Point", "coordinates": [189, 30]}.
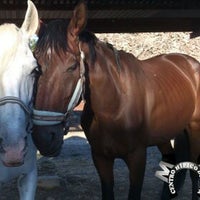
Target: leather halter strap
{"type": "Point", "coordinates": [15, 100]}
{"type": "Point", "coordinates": [46, 118]}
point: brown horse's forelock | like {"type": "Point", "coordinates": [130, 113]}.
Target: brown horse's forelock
{"type": "Point", "coordinates": [54, 36]}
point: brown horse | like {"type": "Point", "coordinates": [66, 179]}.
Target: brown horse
{"type": "Point", "coordinates": [129, 104]}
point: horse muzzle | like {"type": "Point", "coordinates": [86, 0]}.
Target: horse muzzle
{"type": "Point", "coordinates": [13, 158]}
{"type": "Point", "coordinates": [48, 139]}
{"type": "Point", "coordinates": [15, 163]}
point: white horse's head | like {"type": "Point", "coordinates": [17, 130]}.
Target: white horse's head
{"type": "Point", "coordinates": [17, 77]}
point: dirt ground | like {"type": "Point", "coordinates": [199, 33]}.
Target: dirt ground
{"type": "Point", "coordinates": [79, 179]}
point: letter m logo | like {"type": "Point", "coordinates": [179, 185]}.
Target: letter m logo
{"type": "Point", "coordinates": [163, 175]}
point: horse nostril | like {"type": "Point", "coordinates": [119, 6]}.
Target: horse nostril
{"type": "Point", "coordinates": [25, 143]}
{"type": "Point", "coordinates": [29, 127]}
{"type": "Point", "coordinates": [1, 146]}
{"type": "Point", "coordinates": [52, 136]}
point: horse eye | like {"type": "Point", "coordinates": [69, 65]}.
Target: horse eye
{"type": "Point", "coordinates": [71, 68]}
{"type": "Point", "coordinates": [37, 70]}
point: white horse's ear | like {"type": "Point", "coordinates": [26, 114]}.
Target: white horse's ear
{"type": "Point", "coordinates": [31, 21]}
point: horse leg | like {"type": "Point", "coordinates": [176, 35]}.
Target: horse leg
{"type": "Point", "coordinates": [136, 162]}
{"type": "Point", "coordinates": [195, 158]}
{"type": "Point", "coordinates": [180, 153]}
{"type": "Point", "coordinates": [182, 150]}
{"type": "Point", "coordinates": [168, 155]}
{"type": "Point", "coordinates": [27, 185]}
{"type": "Point", "coordinates": [194, 178]}
{"type": "Point", "coordinates": [104, 166]}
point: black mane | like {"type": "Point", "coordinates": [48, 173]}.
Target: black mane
{"type": "Point", "coordinates": [54, 36]}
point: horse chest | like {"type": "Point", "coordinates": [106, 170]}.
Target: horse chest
{"type": "Point", "coordinates": [111, 146]}
{"type": "Point", "coordinates": [111, 139]}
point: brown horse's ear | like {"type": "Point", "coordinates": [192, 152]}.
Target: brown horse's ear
{"type": "Point", "coordinates": [41, 27]}
{"type": "Point", "coordinates": [77, 22]}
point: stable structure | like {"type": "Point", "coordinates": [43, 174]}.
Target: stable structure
{"type": "Point", "coordinates": [115, 15]}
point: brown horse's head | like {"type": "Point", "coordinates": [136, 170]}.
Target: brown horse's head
{"type": "Point", "coordinates": [60, 85]}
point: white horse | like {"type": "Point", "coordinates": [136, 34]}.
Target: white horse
{"type": "Point", "coordinates": [17, 66]}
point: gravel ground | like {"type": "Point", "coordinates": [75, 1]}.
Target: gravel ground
{"type": "Point", "coordinates": [74, 167]}
{"type": "Point", "coordinates": [145, 45]}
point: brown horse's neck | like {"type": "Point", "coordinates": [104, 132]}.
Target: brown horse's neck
{"type": "Point", "coordinates": [109, 79]}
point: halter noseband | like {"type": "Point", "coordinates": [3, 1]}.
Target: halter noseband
{"type": "Point", "coordinates": [46, 118]}
{"type": "Point", "coordinates": [15, 100]}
